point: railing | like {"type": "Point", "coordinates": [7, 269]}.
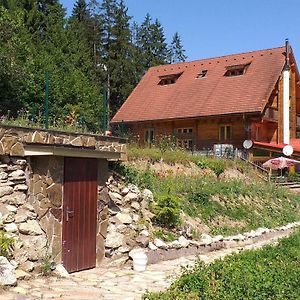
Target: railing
{"type": "Point", "coordinates": [271, 114]}
{"type": "Point", "coordinates": [265, 172]}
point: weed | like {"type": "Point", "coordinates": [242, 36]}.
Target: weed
{"type": "Point", "coordinates": [6, 245]}
{"type": "Point", "coordinates": [47, 265]}
{"type": "Point", "coordinates": [164, 235]}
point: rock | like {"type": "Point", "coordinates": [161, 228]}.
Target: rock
{"type": "Point", "coordinates": [11, 208]}
{"type": "Point", "coordinates": [5, 215]}
{"type": "Point", "coordinates": [145, 232]}
{"type": "Point", "coordinates": [135, 205]}
{"type": "Point", "coordinates": [143, 240]}
{"type": "Point", "coordinates": [175, 244]}
{"type": "Point", "coordinates": [113, 208]}
{"type": "Point", "coordinates": [34, 247]}
{"type": "Point", "coordinates": [183, 242]}
{"type": "Point", "coordinates": [7, 272]}
{"type": "Point", "coordinates": [131, 197]}
{"type": "Point", "coordinates": [31, 227]}
{"type": "Point", "coordinates": [148, 195]}
{"type": "Point", "coordinates": [125, 191]}
{"type": "Point", "coordinates": [61, 271]}
{"type": "Point", "coordinates": [37, 138]}
{"type": "Point", "coordinates": [217, 238]}
{"type": "Point", "coordinates": [6, 190]}
{"type": "Point", "coordinates": [104, 195]}
{"type": "Point", "coordinates": [123, 250]}
{"type": "Point", "coordinates": [23, 215]}
{"type": "Point", "coordinates": [20, 274]}
{"type": "Point", "coordinates": [115, 197]}
{"type": "Point", "coordinates": [160, 244]}
{"type": "Point", "coordinates": [77, 142]}
{"type": "Point", "coordinates": [11, 227]}
{"type": "Point", "coordinates": [206, 239]}
{"type": "Point", "coordinates": [134, 189]}
{"type": "Point", "coordinates": [17, 149]}
{"type": "Point", "coordinates": [16, 174]}
{"type": "Point", "coordinates": [3, 175]}
{"type": "Point", "coordinates": [18, 161]}
{"type": "Point", "coordinates": [114, 240]}
{"type": "Point", "coordinates": [54, 193]}
{"type": "Point", "coordinates": [21, 187]}
{"type": "Point", "coordinates": [17, 199]}
{"type": "Point", "coordinates": [27, 266]}
{"type": "Point", "coordinates": [135, 218]}
{"type": "Point", "coordinates": [124, 218]}
{"type": "Point", "coordinates": [151, 246]}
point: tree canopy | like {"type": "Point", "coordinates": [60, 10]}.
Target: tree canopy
{"type": "Point", "coordinates": [98, 47]}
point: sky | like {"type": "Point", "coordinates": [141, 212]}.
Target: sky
{"type": "Point", "coordinates": [210, 28]}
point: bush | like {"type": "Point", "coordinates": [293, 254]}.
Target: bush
{"type": "Point", "coordinates": [167, 211]}
{"type": "Point", "coordinates": [6, 245]}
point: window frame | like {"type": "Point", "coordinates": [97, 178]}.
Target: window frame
{"type": "Point", "coordinates": [226, 133]}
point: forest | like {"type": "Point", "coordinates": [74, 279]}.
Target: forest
{"type": "Point", "coordinates": [99, 49]}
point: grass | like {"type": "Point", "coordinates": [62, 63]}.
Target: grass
{"type": "Point", "coordinates": [268, 273]}
{"type": "Point", "coordinates": [226, 207]}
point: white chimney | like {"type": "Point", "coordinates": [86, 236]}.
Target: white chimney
{"type": "Point", "coordinates": [286, 98]}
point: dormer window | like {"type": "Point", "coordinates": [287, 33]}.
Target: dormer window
{"type": "Point", "coordinates": [236, 70]}
{"type": "Point", "coordinates": [202, 74]}
{"type": "Point", "coordinates": [169, 79]}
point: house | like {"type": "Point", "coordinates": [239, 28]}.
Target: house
{"type": "Point", "coordinates": [53, 197]}
{"type": "Point", "coordinates": [221, 100]}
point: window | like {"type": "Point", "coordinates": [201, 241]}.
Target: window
{"type": "Point", "coordinates": [202, 74]}
{"type": "Point", "coordinates": [185, 144]}
{"type": "Point", "coordinates": [225, 133]}
{"type": "Point", "coordinates": [149, 136]}
{"type": "Point", "coordinates": [185, 130]}
{"type": "Point", "coordinates": [236, 70]}
{"type": "Point", "coordinates": [169, 79]}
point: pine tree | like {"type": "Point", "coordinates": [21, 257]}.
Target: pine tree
{"type": "Point", "coordinates": [80, 11]}
{"type": "Point", "coordinates": [177, 53]}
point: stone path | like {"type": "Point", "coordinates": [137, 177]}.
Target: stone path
{"type": "Point", "coordinates": [115, 283]}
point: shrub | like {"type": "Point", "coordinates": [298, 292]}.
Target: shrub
{"type": "Point", "coordinates": [6, 245]}
{"type": "Point", "coordinates": [167, 211]}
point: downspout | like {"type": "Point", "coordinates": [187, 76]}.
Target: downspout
{"type": "Point", "coordinates": [286, 96]}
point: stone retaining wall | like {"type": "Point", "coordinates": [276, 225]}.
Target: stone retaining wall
{"type": "Point", "coordinates": [13, 139]}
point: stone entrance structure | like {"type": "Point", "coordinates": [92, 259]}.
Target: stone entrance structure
{"type": "Point", "coordinates": [32, 183]}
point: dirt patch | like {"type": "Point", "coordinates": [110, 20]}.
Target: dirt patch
{"type": "Point", "coordinates": [177, 169]}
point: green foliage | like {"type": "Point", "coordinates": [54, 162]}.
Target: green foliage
{"type": "Point", "coordinates": [268, 273]}
{"type": "Point", "coordinates": [167, 211]}
{"type": "Point", "coordinates": [47, 265]}
{"type": "Point", "coordinates": [164, 235]}
{"type": "Point", "coordinates": [92, 49]}
{"type": "Point", "coordinates": [6, 245]}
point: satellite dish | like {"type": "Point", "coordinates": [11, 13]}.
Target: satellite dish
{"type": "Point", "coordinates": [247, 144]}
{"type": "Point", "coordinates": [288, 150]}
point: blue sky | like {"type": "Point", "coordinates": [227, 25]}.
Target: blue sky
{"type": "Point", "coordinates": [211, 28]}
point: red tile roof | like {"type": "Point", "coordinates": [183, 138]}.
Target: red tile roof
{"type": "Point", "coordinates": [215, 94]}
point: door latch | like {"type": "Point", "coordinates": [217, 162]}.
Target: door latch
{"type": "Point", "coordinates": [69, 214]}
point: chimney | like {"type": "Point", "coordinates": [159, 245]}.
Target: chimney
{"type": "Point", "coordinates": [286, 95]}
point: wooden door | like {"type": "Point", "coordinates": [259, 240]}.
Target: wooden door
{"type": "Point", "coordinates": [79, 214]}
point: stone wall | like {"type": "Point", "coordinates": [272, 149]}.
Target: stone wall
{"type": "Point", "coordinates": [18, 217]}
{"type": "Point", "coordinates": [45, 195]}
{"type": "Point", "coordinates": [13, 139]}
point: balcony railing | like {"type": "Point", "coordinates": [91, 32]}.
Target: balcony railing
{"type": "Point", "coordinates": [271, 114]}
